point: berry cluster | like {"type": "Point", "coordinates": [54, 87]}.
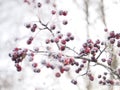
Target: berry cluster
{"type": "Point", "coordinates": [103, 79]}
{"type": "Point", "coordinates": [29, 41]}
{"type": "Point", "coordinates": [59, 60]}
{"type": "Point", "coordinates": [60, 40]}
{"type": "Point", "coordinates": [114, 37]}
{"type": "Point", "coordinates": [18, 56]}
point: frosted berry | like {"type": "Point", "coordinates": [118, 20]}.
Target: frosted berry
{"type": "Point", "coordinates": [35, 26]}
{"type": "Point", "coordinates": [53, 12]}
{"type": "Point", "coordinates": [103, 59]}
{"type": "Point", "coordinates": [64, 13]}
{"type": "Point", "coordinates": [68, 34]}
{"type": "Point", "coordinates": [52, 27]}
{"type": "Point", "coordinates": [47, 41]}
{"type": "Point", "coordinates": [74, 82]}
{"type": "Point", "coordinates": [56, 40]}
{"type": "Point", "coordinates": [34, 65]}
{"type": "Point", "coordinates": [61, 12]}
{"type": "Point", "coordinates": [65, 22]}
{"type": "Point", "coordinates": [91, 77]}
{"type": "Point", "coordinates": [57, 74]}
{"type": "Point", "coordinates": [112, 40]}
{"type": "Point", "coordinates": [37, 70]}
{"type": "Point", "coordinates": [28, 25]}
{"type": "Point", "coordinates": [63, 41]}
{"type": "Point", "coordinates": [99, 76]}
{"type": "Point", "coordinates": [62, 48]}
{"type": "Point", "coordinates": [39, 5]}
{"type": "Point", "coordinates": [118, 43]}
{"type": "Point", "coordinates": [72, 38]}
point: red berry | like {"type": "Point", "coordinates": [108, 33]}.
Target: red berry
{"type": "Point", "coordinates": [78, 70]}
{"type": "Point", "coordinates": [29, 42]}
{"type": "Point", "coordinates": [105, 73]}
{"type": "Point", "coordinates": [71, 60]}
{"type": "Point", "coordinates": [89, 41]}
{"type": "Point", "coordinates": [62, 48]}
{"type": "Point", "coordinates": [72, 38]}
{"type": "Point", "coordinates": [81, 65]}
{"type": "Point", "coordinates": [32, 54]}
{"type": "Point", "coordinates": [112, 40]}
{"type": "Point", "coordinates": [87, 50]}
{"type": "Point", "coordinates": [65, 22]}
{"type": "Point", "coordinates": [33, 29]}
{"type": "Point", "coordinates": [54, 5]}
{"type": "Point", "coordinates": [99, 76]}
{"type": "Point", "coordinates": [48, 65]}
{"type": "Point", "coordinates": [63, 41]}
{"type": "Point", "coordinates": [58, 32]}
{"type": "Point", "coordinates": [53, 12]}
{"type": "Point", "coordinates": [93, 59]}
{"type": "Point", "coordinates": [109, 62]}
{"type": "Point", "coordinates": [100, 82]}
{"type": "Point", "coordinates": [118, 43]}
{"type": "Point", "coordinates": [60, 36]}
{"type": "Point", "coordinates": [98, 41]}
{"type": "Point", "coordinates": [106, 30]}
{"type": "Point", "coordinates": [36, 49]}
{"type": "Point", "coordinates": [68, 34]}
{"type": "Point", "coordinates": [112, 34]}
{"type": "Point", "coordinates": [117, 36]}
{"type": "Point", "coordinates": [64, 13]}
{"type": "Point", "coordinates": [66, 61]}
{"type": "Point", "coordinates": [76, 63]}
{"type": "Point", "coordinates": [103, 59]}
{"type": "Point", "coordinates": [62, 69]}
{"type": "Point", "coordinates": [52, 40]}
{"type": "Point", "coordinates": [28, 26]}
{"type": "Point", "coordinates": [57, 74]}
{"type": "Point", "coordinates": [47, 41]}
{"type": "Point", "coordinates": [104, 83]}
{"type": "Point", "coordinates": [104, 78]}
{"type": "Point", "coordinates": [67, 69]}
{"type": "Point", "coordinates": [34, 26]}
{"type": "Point", "coordinates": [31, 38]}
{"type": "Point", "coordinates": [47, 1]}
{"type": "Point", "coordinates": [19, 68]}
{"type": "Point", "coordinates": [111, 82]}
{"type": "Point", "coordinates": [34, 65]}
{"type": "Point", "coordinates": [27, 1]}
{"type": "Point", "coordinates": [85, 45]}
{"type": "Point", "coordinates": [91, 77]}
{"type": "Point", "coordinates": [39, 4]}
{"type": "Point", "coordinates": [16, 49]}
{"type": "Point", "coordinates": [67, 39]}
{"type": "Point", "coordinates": [37, 70]}
{"type": "Point", "coordinates": [56, 40]}
{"type": "Point", "coordinates": [84, 61]}
{"type": "Point", "coordinates": [52, 67]}
{"type": "Point", "coordinates": [31, 59]}
{"type": "Point", "coordinates": [61, 12]}
{"type": "Point", "coordinates": [74, 82]}
{"type": "Point", "coordinates": [52, 27]}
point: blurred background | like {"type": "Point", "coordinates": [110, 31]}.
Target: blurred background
{"type": "Point", "coordinates": [86, 19]}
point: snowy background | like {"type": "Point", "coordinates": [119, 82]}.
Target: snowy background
{"type": "Point", "coordinates": [13, 16]}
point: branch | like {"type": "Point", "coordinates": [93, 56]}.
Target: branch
{"type": "Point", "coordinates": [101, 52]}
{"type": "Point", "coordinates": [46, 27]}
